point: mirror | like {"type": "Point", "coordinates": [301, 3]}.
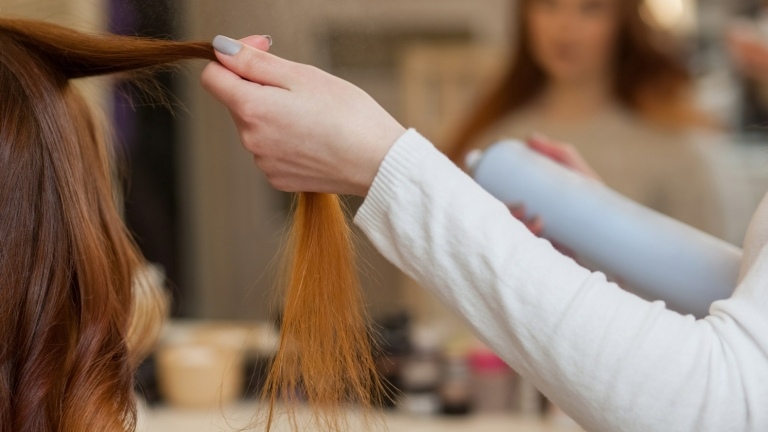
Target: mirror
{"type": "Point", "coordinates": [202, 212]}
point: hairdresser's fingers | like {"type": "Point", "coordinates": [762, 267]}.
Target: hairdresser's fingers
{"type": "Point", "coordinates": [262, 43]}
{"type": "Point", "coordinates": [226, 86]}
{"type": "Point", "coordinates": [254, 65]}
{"type": "Point", "coordinates": [535, 225]}
{"type": "Point", "coordinates": [517, 211]}
{"type": "Point", "coordinates": [564, 154]}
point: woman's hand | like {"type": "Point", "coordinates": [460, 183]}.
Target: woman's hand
{"type": "Point", "coordinates": [564, 154]}
{"type": "Point", "coordinates": [308, 130]}
{"type": "Point", "coordinates": [533, 223]}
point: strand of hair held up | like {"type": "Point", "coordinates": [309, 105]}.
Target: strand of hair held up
{"type": "Point", "coordinates": [325, 351]}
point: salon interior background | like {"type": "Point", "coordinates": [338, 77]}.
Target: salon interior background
{"type": "Point", "coordinates": [201, 210]}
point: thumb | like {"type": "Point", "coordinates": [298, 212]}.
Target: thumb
{"type": "Point", "coordinates": [547, 147]}
{"type": "Point", "coordinates": [254, 64]}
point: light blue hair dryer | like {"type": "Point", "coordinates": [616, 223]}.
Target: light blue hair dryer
{"type": "Point", "coordinates": [652, 255]}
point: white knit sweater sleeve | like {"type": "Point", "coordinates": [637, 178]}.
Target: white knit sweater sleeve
{"type": "Point", "coordinates": [611, 360]}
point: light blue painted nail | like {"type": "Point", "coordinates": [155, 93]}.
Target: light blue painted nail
{"type": "Point", "coordinates": [269, 38]}
{"type": "Point", "coordinates": [226, 45]}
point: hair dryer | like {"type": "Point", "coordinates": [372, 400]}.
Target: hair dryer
{"type": "Point", "coordinates": [650, 254]}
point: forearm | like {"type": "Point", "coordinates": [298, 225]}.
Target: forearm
{"type": "Point", "coordinates": [612, 360]}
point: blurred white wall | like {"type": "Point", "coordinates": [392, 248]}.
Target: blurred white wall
{"type": "Point", "coordinates": [80, 14]}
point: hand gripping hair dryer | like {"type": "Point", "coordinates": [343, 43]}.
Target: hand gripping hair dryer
{"type": "Point", "coordinates": [652, 255]}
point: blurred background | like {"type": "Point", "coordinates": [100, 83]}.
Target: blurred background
{"type": "Point", "coordinates": [691, 142]}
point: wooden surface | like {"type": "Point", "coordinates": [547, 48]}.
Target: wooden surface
{"type": "Point", "coordinates": [240, 417]}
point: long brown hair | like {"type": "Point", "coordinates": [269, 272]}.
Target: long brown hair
{"type": "Point", "coordinates": [75, 315]}
{"type": "Point", "coordinates": [647, 78]}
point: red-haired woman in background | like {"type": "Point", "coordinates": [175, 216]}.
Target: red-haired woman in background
{"type": "Point", "coordinates": [595, 74]}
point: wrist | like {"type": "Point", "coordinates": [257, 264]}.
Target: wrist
{"type": "Point", "coordinates": [374, 158]}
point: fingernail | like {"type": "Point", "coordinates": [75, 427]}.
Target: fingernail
{"type": "Point", "coordinates": [226, 46]}
{"type": "Point", "coordinates": [269, 38]}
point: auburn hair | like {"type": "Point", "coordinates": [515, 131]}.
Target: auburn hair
{"type": "Point", "coordinates": [648, 79]}
{"type": "Point", "coordinates": [76, 314]}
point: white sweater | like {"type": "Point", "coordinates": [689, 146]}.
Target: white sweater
{"type": "Point", "coordinates": [611, 360]}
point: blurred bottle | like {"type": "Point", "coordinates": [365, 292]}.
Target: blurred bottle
{"type": "Point", "coordinates": [529, 401]}
{"type": "Point", "coordinates": [492, 382]}
{"type": "Point", "coordinates": [456, 386]}
{"type": "Point", "coordinates": [656, 256]}
{"type": "Point", "coordinates": [421, 373]}
{"type": "Point", "coordinates": [395, 348]}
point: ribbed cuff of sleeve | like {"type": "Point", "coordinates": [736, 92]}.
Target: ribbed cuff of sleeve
{"type": "Point", "coordinates": [399, 173]}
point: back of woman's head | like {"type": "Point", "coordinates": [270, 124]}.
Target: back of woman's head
{"type": "Point", "coordinates": [75, 316]}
